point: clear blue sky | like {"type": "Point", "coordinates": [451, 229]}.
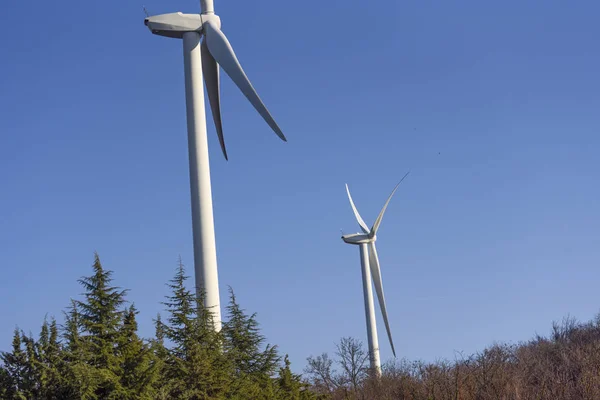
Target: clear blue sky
{"type": "Point", "coordinates": [493, 106]}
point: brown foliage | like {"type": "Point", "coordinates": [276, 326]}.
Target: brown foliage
{"type": "Point", "coordinates": [564, 366]}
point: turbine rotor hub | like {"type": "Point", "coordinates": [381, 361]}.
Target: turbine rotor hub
{"type": "Point", "coordinates": [212, 18]}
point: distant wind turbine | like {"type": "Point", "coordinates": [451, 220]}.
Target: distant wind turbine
{"type": "Point", "coordinates": [201, 62]}
{"type": "Point", "coordinates": [371, 272]}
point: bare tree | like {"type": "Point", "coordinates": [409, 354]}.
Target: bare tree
{"type": "Point", "coordinates": [321, 374]}
{"type": "Point", "coordinates": [352, 360]}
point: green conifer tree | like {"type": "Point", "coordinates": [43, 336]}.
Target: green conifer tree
{"type": "Point", "coordinates": [5, 384]}
{"type": "Point", "coordinates": [290, 385]}
{"type": "Point", "coordinates": [43, 366]}
{"type": "Point", "coordinates": [138, 369]}
{"type": "Point", "coordinates": [254, 365]}
{"type": "Point", "coordinates": [72, 332]}
{"type": "Point", "coordinates": [50, 364]}
{"type": "Point", "coordinates": [101, 317]}
{"type": "Point", "coordinates": [158, 343]}
{"type": "Point", "coordinates": [32, 371]}
{"type": "Point", "coordinates": [15, 364]}
{"type": "Point", "coordinates": [81, 378]}
{"type": "Point", "coordinates": [160, 353]}
{"type": "Point", "coordinates": [196, 366]}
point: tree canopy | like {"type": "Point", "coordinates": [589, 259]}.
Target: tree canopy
{"type": "Point", "coordinates": [97, 352]}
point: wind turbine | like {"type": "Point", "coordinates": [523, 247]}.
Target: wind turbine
{"type": "Point", "coordinates": [202, 59]}
{"type": "Point", "coordinates": [371, 273]}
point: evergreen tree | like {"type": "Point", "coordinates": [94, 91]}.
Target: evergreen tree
{"type": "Point", "coordinates": [50, 363]}
{"type": "Point", "coordinates": [91, 364]}
{"type": "Point", "coordinates": [290, 385]}
{"type": "Point", "coordinates": [32, 371]}
{"type": "Point", "coordinates": [44, 340]}
{"type": "Point", "coordinates": [196, 368]}
{"type": "Point", "coordinates": [81, 378]}
{"type": "Point", "coordinates": [43, 365]}
{"type": "Point", "coordinates": [253, 365]}
{"type": "Point", "coordinates": [101, 317]}
{"type": "Point", "coordinates": [15, 364]}
{"type": "Point", "coordinates": [72, 332]}
{"type": "Point", "coordinates": [158, 343]}
{"type": "Point", "coordinates": [5, 384]}
{"type": "Point", "coordinates": [160, 353]}
{"type": "Point", "coordinates": [138, 369]}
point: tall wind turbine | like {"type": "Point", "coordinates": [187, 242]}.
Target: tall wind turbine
{"type": "Point", "coordinates": [371, 274]}
{"type": "Point", "coordinates": [202, 59]}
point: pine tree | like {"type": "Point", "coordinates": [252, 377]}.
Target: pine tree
{"type": "Point", "coordinates": [158, 343]}
{"type": "Point", "coordinates": [138, 369]}
{"type": "Point", "coordinates": [44, 340]}
{"type": "Point", "coordinates": [32, 371]}
{"type": "Point", "coordinates": [81, 379]}
{"type": "Point", "coordinates": [196, 367]}
{"type": "Point", "coordinates": [160, 353]}
{"type": "Point", "coordinates": [50, 362]}
{"type": "Point", "coordinates": [5, 384]}
{"type": "Point", "coordinates": [253, 365]}
{"type": "Point", "coordinates": [72, 332]}
{"type": "Point", "coordinates": [15, 366]}
{"type": "Point", "coordinates": [287, 385]}
{"type": "Point", "coordinates": [42, 348]}
{"type": "Point", "coordinates": [92, 364]}
{"type": "Point", "coordinates": [101, 317]}
{"type": "Point", "coordinates": [290, 385]}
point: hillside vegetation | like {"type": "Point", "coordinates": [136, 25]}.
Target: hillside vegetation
{"type": "Point", "coordinates": [97, 354]}
{"type": "Point", "coordinates": [565, 365]}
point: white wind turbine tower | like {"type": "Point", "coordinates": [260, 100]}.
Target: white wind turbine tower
{"type": "Point", "coordinates": [371, 274]}
{"type": "Point", "coordinates": [202, 59]}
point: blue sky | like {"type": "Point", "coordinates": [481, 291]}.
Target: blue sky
{"type": "Point", "coordinates": [493, 106]}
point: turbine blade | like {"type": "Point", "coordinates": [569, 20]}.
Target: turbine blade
{"type": "Point", "coordinates": [380, 216]}
{"type": "Point", "coordinates": [376, 274]}
{"type": "Point", "coordinates": [361, 222]}
{"type": "Point", "coordinates": [221, 49]}
{"type": "Point", "coordinates": [210, 69]}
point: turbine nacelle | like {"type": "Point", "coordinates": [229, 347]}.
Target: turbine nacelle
{"type": "Point", "coordinates": [174, 25]}
{"type": "Point", "coordinates": [358, 238]}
